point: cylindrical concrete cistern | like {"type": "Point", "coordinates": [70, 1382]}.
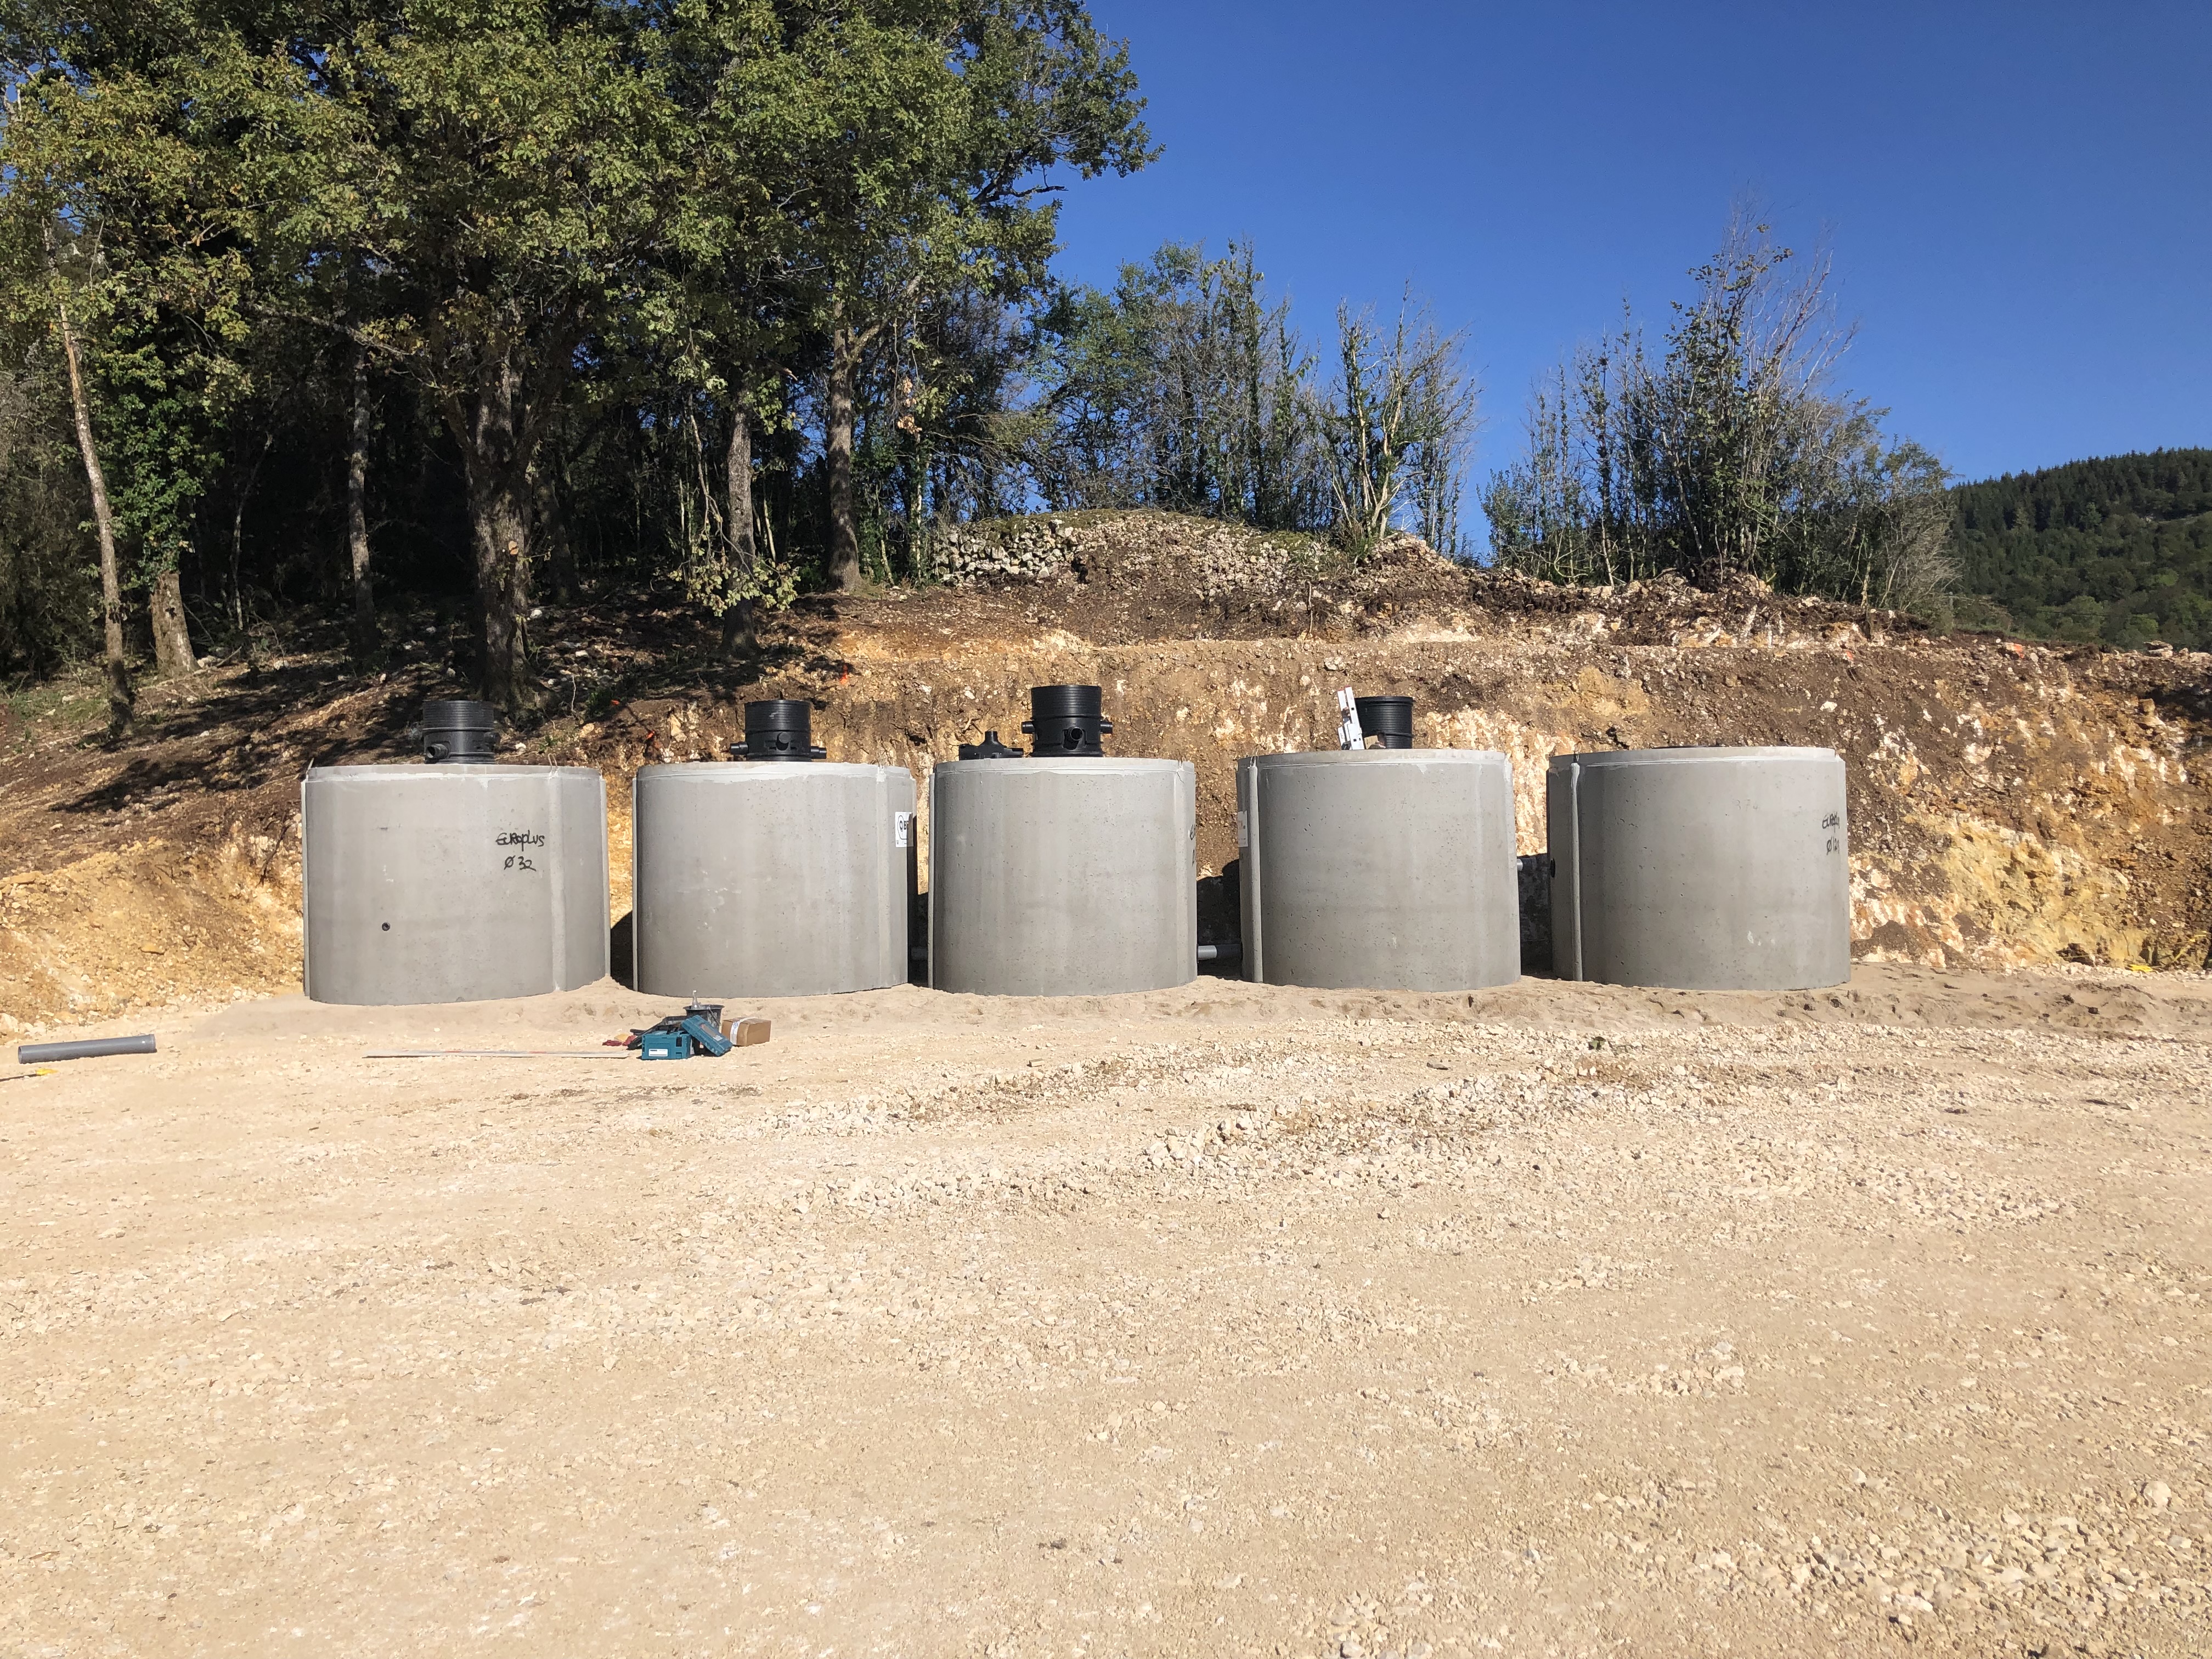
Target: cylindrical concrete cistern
{"type": "Point", "coordinates": [459, 882]}
{"type": "Point", "coordinates": [1389, 869]}
{"type": "Point", "coordinates": [771, 879]}
{"type": "Point", "coordinates": [1064, 873]}
{"type": "Point", "coordinates": [1701, 869]}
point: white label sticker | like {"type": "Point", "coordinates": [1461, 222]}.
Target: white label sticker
{"type": "Point", "coordinates": [1244, 831]}
{"type": "Point", "coordinates": [898, 827]}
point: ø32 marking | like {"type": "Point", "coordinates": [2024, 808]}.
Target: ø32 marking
{"type": "Point", "coordinates": [519, 839]}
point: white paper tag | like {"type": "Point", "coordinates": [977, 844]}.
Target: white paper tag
{"type": "Point", "coordinates": [899, 828]}
{"type": "Point", "coordinates": [1243, 829]}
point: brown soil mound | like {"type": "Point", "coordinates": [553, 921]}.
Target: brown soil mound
{"type": "Point", "coordinates": [2009, 804]}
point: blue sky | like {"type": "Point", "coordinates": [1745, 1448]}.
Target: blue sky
{"type": "Point", "coordinates": [2017, 197]}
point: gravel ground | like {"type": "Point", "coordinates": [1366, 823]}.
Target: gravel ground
{"type": "Point", "coordinates": [1556, 1320]}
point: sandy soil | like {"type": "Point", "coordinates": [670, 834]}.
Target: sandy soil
{"type": "Point", "coordinates": [1555, 1320]}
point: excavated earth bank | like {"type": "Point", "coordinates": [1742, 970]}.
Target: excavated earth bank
{"type": "Point", "coordinates": [2009, 804]}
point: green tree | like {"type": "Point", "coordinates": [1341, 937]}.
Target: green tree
{"type": "Point", "coordinates": [106, 171]}
{"type": "Point", "coordinates": [151, 145]}
{"type": "Point", "coordinates": [50, 605]}
{"type": "Point", "coordinates": [1185, 387]}
{"type": "Point", "coordinates": [594, 283]}
{"type": "Point", "coordinates": [930, 151]}
{"type": "Point", "coordinates": [2127, 537]}
{"type": "Point", "coordinates": [1733, 453]}
{"type": "Point", "coordinates": [733, 302]}
{"type": "Point", "coordinates": [507, 163]}
{"type": "Point", "coordinates": [1404, 413]}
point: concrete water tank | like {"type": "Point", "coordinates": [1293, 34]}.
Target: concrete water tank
{"type": "Point", "coordinates": [1389, 869]}
{"type": "Point", "coordinates": [1701, 869]}
{"type": "Point", "coordinates": [770, 880]}
{"type": "Point", "coordinates": [1068, 874]}
{"type": "Point", "coordinates": [453, 882]}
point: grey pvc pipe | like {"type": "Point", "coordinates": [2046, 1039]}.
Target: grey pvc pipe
{"type": "Point", "coordinates": [31, 1054]}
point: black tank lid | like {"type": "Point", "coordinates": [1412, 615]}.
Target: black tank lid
{"type": "Point", "coordinates": [779, 729]}
{"type": "Point", "coordinates": [459, 730]}
{"type": "Point", "coordinates": [1067, 720]}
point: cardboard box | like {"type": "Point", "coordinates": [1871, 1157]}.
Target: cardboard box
{"type": "Point", "coordinates": [744, 1033]}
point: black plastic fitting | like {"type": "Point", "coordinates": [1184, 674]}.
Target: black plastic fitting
{"type": "Point", "coordinates": [782, 730]}
{"type": "Point", "coordinates": [1067, 720]}
{"type": "Point", "coordinates": [989, 748]}
{"type": "Point", "coordinates": [1388, 720]}
{"type": "Point", "coordinates": [460, 731]}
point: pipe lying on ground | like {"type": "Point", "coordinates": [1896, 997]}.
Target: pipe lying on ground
{"type": "Point", "coordinates": [32, 1053]}
{"type": "Point", "coordinates": [497, 1054]}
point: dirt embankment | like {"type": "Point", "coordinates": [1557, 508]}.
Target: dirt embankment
{"type": "Point", "coordinates": [2010, 805]}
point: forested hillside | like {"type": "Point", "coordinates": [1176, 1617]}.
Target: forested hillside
{"type": "Point", "coordinates": [384, 314]}
{"type": "Point", "coordinates": [332, 312]}
{"type": "Point", "coordinates": [2117, 549]}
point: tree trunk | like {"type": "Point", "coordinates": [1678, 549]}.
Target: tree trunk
{"type": "Point", "coordinates": [737, 629]}
{"type": "Point", "coordinates": [365, 638]}
{"type": "Point", "coordinates": [238, 527]}
{"type": "Point", "coordinates": [111, 580]}
{"type": "Point", "coordinates": [499, 513]}
{"type": "Point", "coordinates": [498, 470]}
{"type": "Point", "coordinates": [554, 552]}
{"type": "Point", "coordinates": [837, 449]}
{"type": "Point", "coordinates": [172, 639]}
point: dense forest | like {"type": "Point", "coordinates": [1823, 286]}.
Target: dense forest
{"type": "Point", "coordinates": [335, 307]}
{"type": "Point", "coordinates": [2117, 549]}
{"type": "Point", "coordinates": [324, 313]}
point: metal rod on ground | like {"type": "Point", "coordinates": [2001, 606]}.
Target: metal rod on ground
{"type": "Point", "coordinates": [497, 1054]}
